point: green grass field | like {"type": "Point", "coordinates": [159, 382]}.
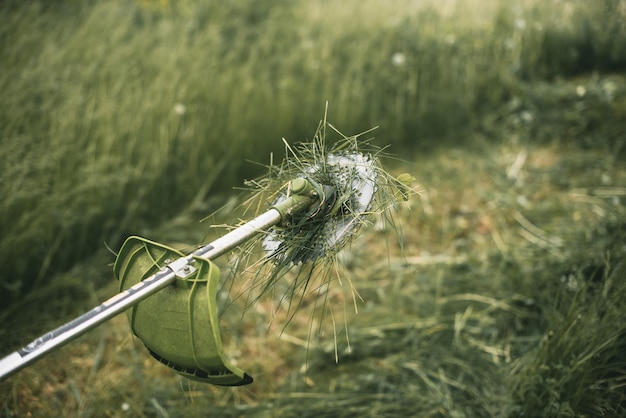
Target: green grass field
{"type": "Point", "coordinates": [506, 298]}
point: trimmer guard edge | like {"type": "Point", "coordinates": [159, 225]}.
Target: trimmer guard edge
{"type": "Point", "coordinates": [178, 325]}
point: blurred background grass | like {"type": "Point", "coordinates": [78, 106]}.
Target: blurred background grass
{"type": "Point", "coordinates": [121, 118]}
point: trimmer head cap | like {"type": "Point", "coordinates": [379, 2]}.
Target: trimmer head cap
{"type": "Point", "coordinates": [347, 186]}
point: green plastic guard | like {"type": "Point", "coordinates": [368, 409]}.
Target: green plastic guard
{"type": "Point", "coordinates": [178, 324]}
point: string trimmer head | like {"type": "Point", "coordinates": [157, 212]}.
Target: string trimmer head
{"type": "Point", "coordinates": [346, 184]}
{"type": "Point", "coordinates": [318, 211]}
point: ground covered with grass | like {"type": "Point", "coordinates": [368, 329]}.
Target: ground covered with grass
{"type": "Point", "coordinates": [507, 300]}
{"type": "Point", "coordinates": [497, 291]}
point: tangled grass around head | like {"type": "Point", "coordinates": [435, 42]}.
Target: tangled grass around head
{"type": "Point", "coordinates": [299, 260]}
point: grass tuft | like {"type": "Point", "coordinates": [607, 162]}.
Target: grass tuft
{"type": "Point", "coordinates": [297, 261]}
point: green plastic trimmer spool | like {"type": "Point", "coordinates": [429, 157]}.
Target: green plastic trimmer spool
{"type": "Point", "coordinates": [173, 323]}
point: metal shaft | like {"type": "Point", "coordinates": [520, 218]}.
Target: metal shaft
{"type": "Point", "coordinates": [122, 301]}
{"type": "Point", "coordinates": [65, 333]}
{"type": "Point", "coordinates": [239, 235]}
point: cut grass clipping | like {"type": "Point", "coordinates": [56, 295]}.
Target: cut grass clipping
{"type": "Point", "coordinates": [306, 249]}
